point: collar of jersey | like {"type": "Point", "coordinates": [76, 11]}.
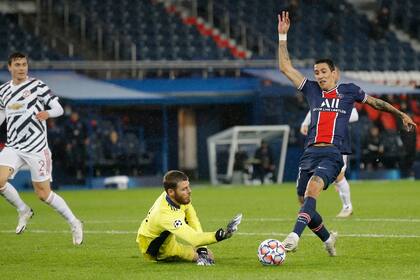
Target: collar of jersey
{"type": "Point", "coordinates": [169, 200]}
{"type": "Point", "coordinates": [22, 83]}
{"type": "Point", "coordinates": [329, 91]}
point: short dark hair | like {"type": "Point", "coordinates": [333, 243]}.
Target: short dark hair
{"type": "Point", "coordinates": [16, 55]}
{"type": "Point", "coordinates": [172, 178]}
{"type": "Point", "coordinates": [328, 61]}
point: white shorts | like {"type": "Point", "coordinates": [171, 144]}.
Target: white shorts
{"type": "Point", "coordinates": [345, 164]}
{"type": "Point", "coordinates": [40, 163]}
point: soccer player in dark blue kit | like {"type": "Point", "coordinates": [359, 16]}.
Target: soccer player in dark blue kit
{"type": "Point", "coordinates": [322, 160]}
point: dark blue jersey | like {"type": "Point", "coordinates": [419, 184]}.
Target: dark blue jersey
{"type": "Point", "coordinates": [330, 113]}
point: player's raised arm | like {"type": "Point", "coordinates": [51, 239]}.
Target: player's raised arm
{"type": "Point", "coordinates": [285, 63]}
{"type": "Point", "coordinates": [381, 105]}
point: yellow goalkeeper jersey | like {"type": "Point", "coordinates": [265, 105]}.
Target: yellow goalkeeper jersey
{"type": "Point", "coordinates": [166, 218]}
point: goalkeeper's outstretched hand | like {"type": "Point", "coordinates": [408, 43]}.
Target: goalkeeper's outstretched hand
{"type": "Point", "coordinates": [204, 257]}
{"type": "Point", "coordinates": [232, 226]}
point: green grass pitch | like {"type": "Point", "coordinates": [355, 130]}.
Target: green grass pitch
{"type": "Point", "coordinates": [380, 241]}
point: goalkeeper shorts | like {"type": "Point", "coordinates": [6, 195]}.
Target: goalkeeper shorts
{"type": "Point", "coordinates": [169, 250]}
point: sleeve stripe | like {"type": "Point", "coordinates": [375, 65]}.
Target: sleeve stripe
{"type": "Point", "coordinates": [51, 99]}
{"type": "Point", "coordinates": [364, 99]}
{"type": "Point", "coordinates": [302, 84]}
{"type": "Point", "coordinates": [45, 93]}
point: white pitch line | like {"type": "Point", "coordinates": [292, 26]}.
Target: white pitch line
{"type": "Point", "coordinates": [351, 219]}
{"type": "Point", "coordinates": [125, 232]}
{"type": "Point", "coordinates": [397, 220]}
{"type": "Point", "coordinates": [112, 232]}
{"type": "Point", "coordinates": [380, 220]}
{"type": "Point", "coordinates": [357, 235]}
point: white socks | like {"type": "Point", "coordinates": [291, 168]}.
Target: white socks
{"type": "Point", "coordinates": [12, 196]}
{"type": "Point", "coordinates": [344, 193]}
{"type": "Point", "coordinates": [58, 203]}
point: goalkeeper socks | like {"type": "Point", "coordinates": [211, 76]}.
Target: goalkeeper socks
{"type": "Point", "coordinates": [58, 203]}
{"type": "Point", "coordinates": [305, 215]}
{"type": "Point", "coordinates": [318, 227]}
{"type": "Point", "coordinates": [12, 196]}
{"type": "Point", "coordinates": [344, 193]}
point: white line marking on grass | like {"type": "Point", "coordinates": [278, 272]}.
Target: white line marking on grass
{"type": "Point", "coordinates": [126, 232]}
{"type": "Point", "coordinates": [380, 220]}
{"type": "Point", "coordinates": [358, 235]}
{"type": "Point", "coordinates": [351, 219]}
{"type": "Point", "coordinates": [398, 220]}
{"type": "Point", "coordinates": [112, 232]}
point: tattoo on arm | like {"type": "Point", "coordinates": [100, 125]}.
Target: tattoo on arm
{"type": "Point", "coordinates": [285, 65]}
{"type": "Point", "coordinates": [382, 106]}
{"type": "Point", "coordinates": [284, 54]}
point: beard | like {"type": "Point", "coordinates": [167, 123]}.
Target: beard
{"type": "Point", "coordinates": [182, 200]}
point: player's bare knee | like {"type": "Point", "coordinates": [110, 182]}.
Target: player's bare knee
{"type": "Point", "coordinates": [42, 194]}
{"type": "Point", "coordinates": [42, 197]}
{"type": "Point", "coordinates": [315, 185]}
{"type": "Point", "coordinates": [339, 177]}
{"type": "Point", "coordinates": [42, 190]}
{"type": "Point", "coordinates": [3, 182]}
{"type": "Point", "coordinates": [316, 182]}
{"type": "Point", "coordinates": [5, 173]}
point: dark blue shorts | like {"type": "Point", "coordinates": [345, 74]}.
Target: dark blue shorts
{"type": "Point", "coordinates": [325, 162]}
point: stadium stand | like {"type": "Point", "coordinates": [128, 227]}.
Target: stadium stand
{"type": "Point", "coordinates": [155, 33]}
{"type": "Point", "coordinates": [346, 35]}
{"type": "Point", "coordinates": [404, 14]}
{"type": "Point", "coordinates": [15, 38]}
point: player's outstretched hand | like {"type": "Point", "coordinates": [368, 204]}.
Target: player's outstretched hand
{"type": "Point", "coordinates": [284, 22]}
{"type": "Point", "coordinates": [408, 123]}
{"type": "Point", "coordinates": [204, 257]}
{"type": "Point", "coordinates": [304, 130]}
{"type": "Point", "coordinates": [232, 226]}
{"type": "Point", "coordinates": [42, 116]}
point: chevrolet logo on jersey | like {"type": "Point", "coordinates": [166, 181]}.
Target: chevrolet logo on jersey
{"type": "Point", "coordinates": [15, 106]}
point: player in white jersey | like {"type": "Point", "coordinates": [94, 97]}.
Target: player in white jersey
{"type": "Point", "coordinates": [341, 182]}
{"type": "Point", "coordinates": [22, 105]}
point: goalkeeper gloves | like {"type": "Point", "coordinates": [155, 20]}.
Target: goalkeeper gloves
{"type": "Point", "coordinates": [204, 257]}
{"type": "Point", "coordinates": [232, 226]}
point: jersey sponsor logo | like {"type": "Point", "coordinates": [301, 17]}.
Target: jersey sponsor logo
{"type": "Point", "coordinates": [330, 103]}
{"type": "Point", "coordinates": [15, 106]}
{"type": "Point", "coordinates": [177, 223]}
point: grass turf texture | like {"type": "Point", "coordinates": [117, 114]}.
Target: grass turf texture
{"type": "Point", "coordinates": [380, 241]}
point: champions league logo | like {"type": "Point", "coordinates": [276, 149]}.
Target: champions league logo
{"type": "Point", "coordinates": [177, 223]}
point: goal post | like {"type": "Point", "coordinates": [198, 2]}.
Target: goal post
{"type": "Point", "coordinates": [228, 142]}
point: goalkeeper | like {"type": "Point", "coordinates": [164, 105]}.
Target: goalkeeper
{"type": "Point", "coordinates": [172, 218]}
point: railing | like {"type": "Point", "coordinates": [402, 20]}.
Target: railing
{"type": "Point", "coordinates": [160, 68]}
{"type": "Point", "coordinates": [158, 64]}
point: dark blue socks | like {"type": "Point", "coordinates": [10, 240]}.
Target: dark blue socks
{"type": "Point", "coordinates": [309, 217]}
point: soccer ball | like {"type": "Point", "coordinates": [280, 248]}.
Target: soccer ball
{"type": "Point", "coordinates": [271, 252]}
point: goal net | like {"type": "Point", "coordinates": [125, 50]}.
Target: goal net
{"type": "Point", "coordinates": [223, 146]}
